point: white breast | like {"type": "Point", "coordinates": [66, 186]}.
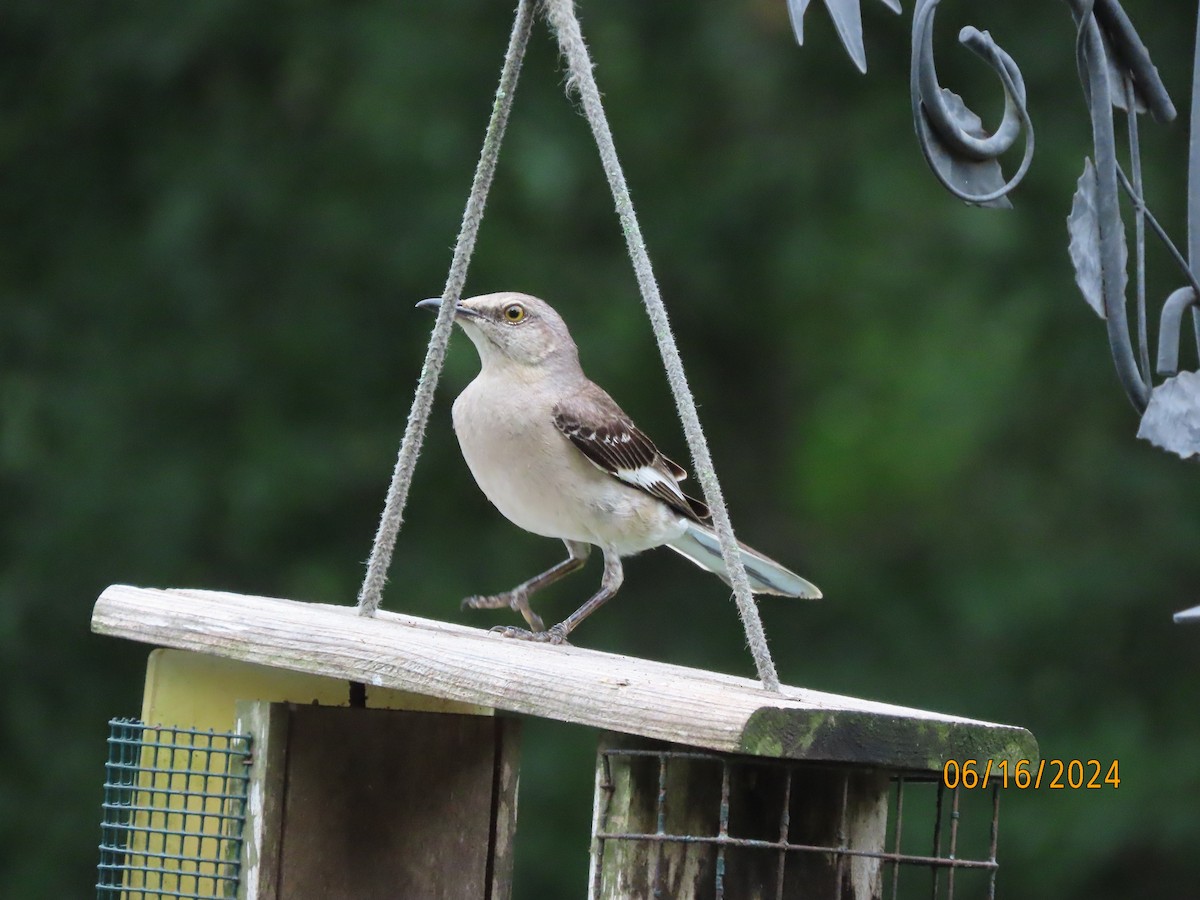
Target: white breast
{"type": "Point", "coordinates": [530, 471]}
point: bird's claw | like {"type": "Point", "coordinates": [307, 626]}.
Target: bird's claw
{"type": "Point", "coordinates": [514, 600]}
{"type": "Point", "coordinates": [482, 601]}
{"type": "Point", "coordinates": [556, 635]}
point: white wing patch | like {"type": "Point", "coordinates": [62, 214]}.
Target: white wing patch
{"type": "Point", "coordinates": [647, 478]}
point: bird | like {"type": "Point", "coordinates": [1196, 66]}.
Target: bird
{"type": "Point", "coordinates": [557, 456]}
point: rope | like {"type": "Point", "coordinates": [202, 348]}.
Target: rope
{"type": "Point", "coordinates": [562, 18]}
{"type": "Point", "coordinates": [414, 432]}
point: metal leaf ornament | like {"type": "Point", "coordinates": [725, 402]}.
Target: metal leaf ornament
{"type": "Point", "coordinates": [1172, 418]}
{"type": "Point", "coordinates": [967, 177]}
{"type": "Point", "coordinates": [1124, 56]}
{"type": "Point", "coordinates": [1084, 227]}
{"type": "Point", "coordinates": [847, 19]}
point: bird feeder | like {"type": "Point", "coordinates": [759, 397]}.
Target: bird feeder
{"type": "Point", "coordinates": [296, 750]}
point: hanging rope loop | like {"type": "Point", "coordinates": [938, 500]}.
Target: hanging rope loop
{"type": "Point", "coordinates": [580, 80]}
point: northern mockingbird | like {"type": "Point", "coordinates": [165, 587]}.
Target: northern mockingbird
{"type": "Point", "coordinates": [557, 456]}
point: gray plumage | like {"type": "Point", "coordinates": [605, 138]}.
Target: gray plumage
{"type": "Point", "coordinates": [558, 457]}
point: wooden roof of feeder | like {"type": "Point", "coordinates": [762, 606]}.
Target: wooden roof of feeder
{"type": "Point", "coordinates": [571, 684]}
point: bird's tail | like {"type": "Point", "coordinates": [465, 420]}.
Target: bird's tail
{"type": "Point", "coordinates": [701, 545]}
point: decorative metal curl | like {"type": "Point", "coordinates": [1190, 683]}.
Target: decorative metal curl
{"type": "Point", "coordinates": [961, 153]}
{"type": "Point", "coordinates": [1168, 329]}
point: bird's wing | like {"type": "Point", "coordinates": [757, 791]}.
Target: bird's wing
{"type": "Point", "coordinates": [593, 422]}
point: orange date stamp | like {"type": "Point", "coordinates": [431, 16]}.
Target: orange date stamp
{"type": "Point", "coordinates": [1052, 774]}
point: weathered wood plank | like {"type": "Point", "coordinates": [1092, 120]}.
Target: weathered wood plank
{"type": "Point", "coordinates": [571, 684]}
{"type": "Point", "coordinates": [506, 782]}
{"type": "Point", "coordinates": [268, 723]}
{"type": "Point", "coordinates": [368, 804]}
{"type": "Point", "coordinates": [388, 803]}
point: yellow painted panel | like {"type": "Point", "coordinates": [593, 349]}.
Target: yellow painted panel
{"type": "Point", "coordinates": [196, 690]}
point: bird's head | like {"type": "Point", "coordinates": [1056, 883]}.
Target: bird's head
{"type": "Point", "coordinates": [509, 327]}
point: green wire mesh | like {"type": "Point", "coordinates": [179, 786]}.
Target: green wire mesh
{"type": "Point", "coordinates": [173, 811]}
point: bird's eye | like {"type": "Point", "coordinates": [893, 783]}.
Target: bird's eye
{"type": "Point", "coordinates": [514, 313]}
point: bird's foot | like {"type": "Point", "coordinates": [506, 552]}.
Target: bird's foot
{"type": "Point", "coordinates": [556, 635]}
{"type": "Point", "coordinates": [515, 600]}
{"type": "Point", "coordinates": [491, 601]}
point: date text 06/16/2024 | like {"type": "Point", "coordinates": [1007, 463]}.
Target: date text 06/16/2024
{"type": "Point", "coordinates": [1053, 774]}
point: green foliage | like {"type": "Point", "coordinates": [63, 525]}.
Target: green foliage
{"type": "Point", "coordinates": [216, 220]}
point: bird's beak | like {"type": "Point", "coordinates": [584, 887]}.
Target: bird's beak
{"type": "Point", "coordinates": [460, 311]}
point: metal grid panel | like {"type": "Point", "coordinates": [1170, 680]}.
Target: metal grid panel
{"type": "Point", "coordinates": [173, 812]}
{"type": "Point", "coordinates": [940, 865]}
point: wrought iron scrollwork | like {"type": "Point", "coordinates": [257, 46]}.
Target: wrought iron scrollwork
{"type": "Point", "coordinates": [1116, 72]}
{"type": "Point", "coordinates": [961, 153]}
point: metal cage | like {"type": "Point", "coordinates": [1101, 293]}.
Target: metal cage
{"type": "Point", "coordinates": [173, 812]}
{"type": "Point", "coordinates": [673, 822]}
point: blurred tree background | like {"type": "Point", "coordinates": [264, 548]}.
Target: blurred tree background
{"type": "Point", "coordinates": [217, 217]}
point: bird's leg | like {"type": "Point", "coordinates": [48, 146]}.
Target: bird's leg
{"type": "Point", "coordinates": [613, 576]}
{"type": "Point", "coordinates": [518, 597]}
